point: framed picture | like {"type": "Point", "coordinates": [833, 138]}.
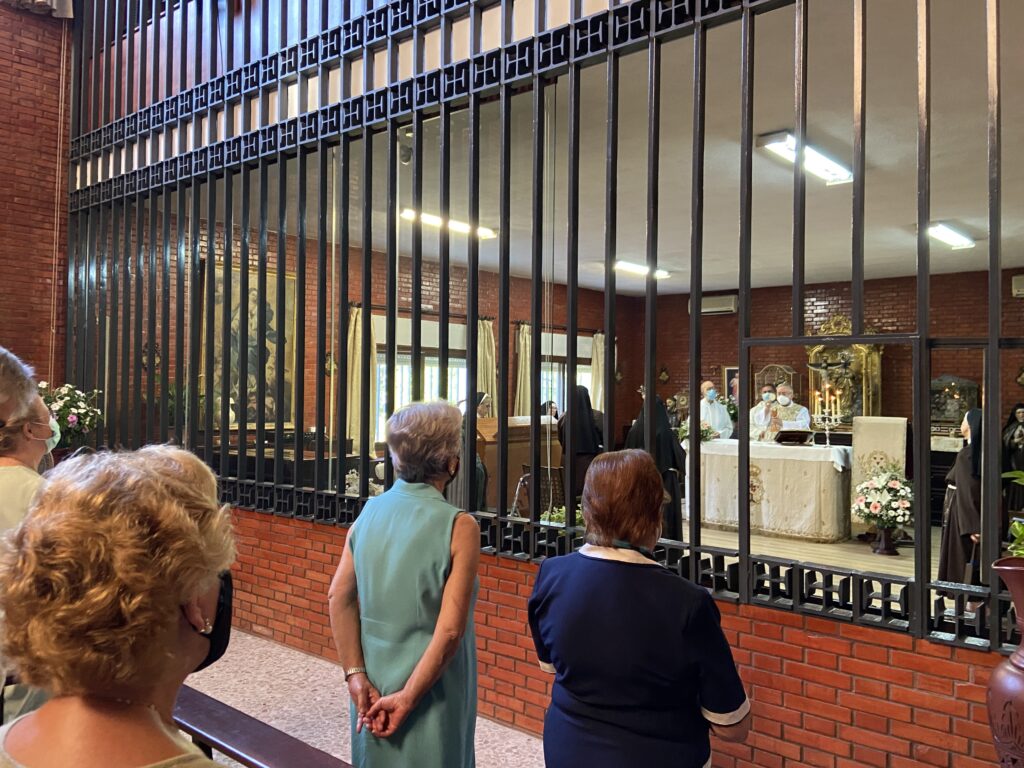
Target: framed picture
{"type": "Point", "coordinates": [731, 381]}
{"type": "Point", "coordinates": [280, 329]}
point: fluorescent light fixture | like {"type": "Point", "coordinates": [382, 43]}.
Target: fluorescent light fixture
{"type": "Point", "coordinates": [484, 233]}
{"type": "Point", "coordinates": [783, 144]}
{"type": "Point", "coordinates": [639, 269]}
{"type": "Point", "coordinates": [944, 233]}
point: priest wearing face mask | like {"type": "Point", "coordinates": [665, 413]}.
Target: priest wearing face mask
{"type": "Point", "coordinates": [714, 413]}
{"type": "Point", "coordinates": [27, 433]}
{"type": "Point", "coordinates": [792, 414]}
{"type": "Point", "coordinates": [765, 421]}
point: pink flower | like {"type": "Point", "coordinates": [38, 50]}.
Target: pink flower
{"type": "Point", "coordinates": [875, 507]}
{"type": "Point", "coordinates": [72, 419]}
{"type": "Point", "coordinates": [904, 504]}
{"type": "Point", "coordinates": [872, 484]}
{"type": "Point", "coordinates": [860, 500]}
{"type": "Point", "coordinates": [894, 483]}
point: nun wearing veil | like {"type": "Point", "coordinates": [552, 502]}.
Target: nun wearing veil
{"type": "Point", "coordinates": [587, 438]}
{"type": "Point", "coordinates": [671, 461]}
{"type": "Point", "coordinates": [456, 490]}
{"type": "Point", "coordinates": [959, 553]}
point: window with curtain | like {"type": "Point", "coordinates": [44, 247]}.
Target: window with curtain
{"type": "Point", "coordinates": [403, 383]}
{"type": "Point", "coordinates": [553, 377]}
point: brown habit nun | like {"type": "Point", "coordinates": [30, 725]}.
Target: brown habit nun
{"type": "Point", "coordinates": [961, 515]}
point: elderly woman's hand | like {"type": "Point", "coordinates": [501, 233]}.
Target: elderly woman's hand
{"type": "Point", "coordinates": [389, 712]}
{"type": "Point", "coordinates": [364, 695]}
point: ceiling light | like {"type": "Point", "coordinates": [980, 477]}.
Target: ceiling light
{"type": "Point", "coordinates": [484, 233]}
{"type": "Point", "coordinates": [783, 144]}
{"type": "Point", "coordinates": [944, 233]}
{"type": "Point", "coordinates": [639, 269]}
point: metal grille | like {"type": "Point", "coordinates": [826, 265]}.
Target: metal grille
{"type": "Point", "coordinates": [213, 128]}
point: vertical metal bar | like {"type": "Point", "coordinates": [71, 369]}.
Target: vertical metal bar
{"type": "Point", "coordinates": [179, 321]}
{"type": "Point", "coordinates": [299, 340]}
{"type": "Point", "coordinates": [113, 367]}
{"type": "Point", "coordinates": [343, 171]}
{"type": "Point", "coordinates": [416, 254]}
{"type": "Point", "coordinates": [227, 292]}
{"type": "Point", "coordinates": [94, 65]}
{"type": "Point", "coordinates": [651, 285]}
{"type": "Point", "coordinates": [472, 274]}
{"type": "Point", "coordinates": [572, 251]}
{"type": "Point", "coordinates": [196, 316]}
{"type": "Point", "coordinates": [77, 91]}
{"type": "Point", "coordinates": [391, 246]}
{"type": "Point", "coordinates": [154, 68]}
{"type": "Point", "coordinates": [991, 465]}
{"type": "Point", "coordinates": [745, 253]}
{"type": "Point", "coordinates": [262, 258]}
{"type": "Point", "coordinates": [323, 169]}
{"type": "Point", "coordinates": [283, 332]}
{"type": "Point", "coordinates": [242, 386]}
{"type": "Point", "coordinates": [151, 302]}
{"type": "Point", "coordinates": [108, 61]}
{"type": "Point", "coordinates": [611, 229]}
{"type": "Point", "coordinates": [700, 42]}
{"type": "Point", "coordinates": [85, 236]}
{"type": "Point", "coordinates": [71, 305]}
{"type": "Point", "coordinates": [211, 308]}
{"type": "Point", "coordinates": [860, 72]}
{"type": "Point", "coordinates": [369, 354]}
{"type": "Point", "coordinates": [922, 524]}
{"type": "Point", "coordinates": [141, 205]}
{"type": "Point", "coordinates": [799, 176]}
{"type": "Point", "coordinates": [118, 110]}
{"type": "Point", "coordinates": [165, 315]}
{"type": "Point", "coordinates": [536, 274]}
{"type": "Point", "coordinates": [101, 316]}
{"type": "Point", "coordinates": [124, 418]}
{"type": "Point", "coordinates": [504, 270]}
{"type": "Point", "coordinates": [444, 203]}
{"type": "Point", "coordinates": [88, 304]}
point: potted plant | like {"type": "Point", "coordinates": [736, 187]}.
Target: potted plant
{"type": "Point", "coordinates": [1006, 683]}
{"type": "Point", "coordinates": [76, 413]}
{"type": "Point", "coordinates": [887, 502]}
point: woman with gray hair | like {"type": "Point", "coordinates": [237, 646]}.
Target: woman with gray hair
{"type": "Point", "coordinates": [401, 605]}
{"type": "Point", "coordinates": [27, 433]}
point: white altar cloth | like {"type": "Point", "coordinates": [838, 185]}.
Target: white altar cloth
{"type": "Point", "coordinates": [802, 491]}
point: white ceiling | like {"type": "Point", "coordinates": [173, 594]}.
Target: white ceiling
{"type": "Point", "coordinates": [959, 174]}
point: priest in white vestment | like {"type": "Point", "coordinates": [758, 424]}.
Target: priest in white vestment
{"type": "Point", "coordinates": [714, 413]}
{"type": "Point", "coordinates": [792, 414]}
{"type": "Point", "coordinates": [764, 419]}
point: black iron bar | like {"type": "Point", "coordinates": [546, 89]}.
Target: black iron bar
{"type": "Point", "coordinates": [342, 173]}
{"type": "Point", "coordinates": [444, 205]}
{"type": "Point", "coordinates": [151, 313]}
{"type": "Point", "coordinates": [141, 204]}
{"type": "Point", "coordinates": [226, 296]}
{"type": "Point", "coordinates": [992, 497]}
{"type": "Point", "coordinates": [747, 47]}
{"type": "Point", "coordinates": [611, 229]}
{"type": "Point", "coordinates": [504, 269]}
{"type": "Point", "coordinates": [102, 246]}
{"type": "Point", "coordinates": [112, 368]}
{"type": "Point", "coordinates": [211, 308]}
{"type": "Point", "coordinates": [536, 275]}
{"type": "Point", "coordinates": [165, 314]}
{"type": "Point", "coordinates": [392, 255]}
{"type": "Point", "coordinates": [572, 267]}
{"type": "Point", "coordinates": [368, 359]}
{"type": "Point", "coordinates": [284, 334]}
{"type": "Point", "coordinates": [125, 418]}
{"type": "Point", "coordinates": [694, 491]}
{"type": "Point", "coordinates": [416, 254]}
{"type": "Point", "coordinates": [860, 71]}
{"type": "Point", "coordinates": [799, 175]}
{"type": "Point", "coordinates": [651, 244]}
{"type": "Point", "coordinates": [262, 259]}
{"type": "Point", "coordinates": [472, 274]}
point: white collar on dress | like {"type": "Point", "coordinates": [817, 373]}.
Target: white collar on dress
{"type": "Point", "coordinates": [615, 553]}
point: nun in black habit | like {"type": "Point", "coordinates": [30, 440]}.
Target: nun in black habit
{"type": "Point", "coordinates": [588, 441]}
{"type": "Point", "coordinates": [455, 493]}
{"type": "Point", "coordinates": [961, 516]}
{"type": "Point", "coordinates": [671, 461]}
{"type": "Point", "coordinates": [1013, 459]}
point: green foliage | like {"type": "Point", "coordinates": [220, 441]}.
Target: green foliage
{"type": "Point", "coordinates": [1016, 546]}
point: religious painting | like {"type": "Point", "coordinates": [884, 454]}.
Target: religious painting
{"type": "Point", "coordinates": [280, 329]}
{"type": "Point", "coordinates": [951, 398]}
{"type": "Point", "coordinates": [731, 382]}
{"type": "Point", "coordinates": [852, 373]}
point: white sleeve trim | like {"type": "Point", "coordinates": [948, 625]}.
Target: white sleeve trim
{"type": "Point", "coordinates": [547, 667]}
{"type": "Point", "coordinates": [730, 718]}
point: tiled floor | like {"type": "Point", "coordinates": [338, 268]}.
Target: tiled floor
{"type": "Point", "coordinates": [303, 695]}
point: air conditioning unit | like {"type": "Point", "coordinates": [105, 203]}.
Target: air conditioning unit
{"type": "Point", "coordinates": [1017, 286]}
{"type": "Point", "coordinates": [717, 305]}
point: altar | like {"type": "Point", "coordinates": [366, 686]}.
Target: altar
{"type": "Point", "coordinates": [800, 491]}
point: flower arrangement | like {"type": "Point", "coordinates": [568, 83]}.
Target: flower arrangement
{"type": "Point", "coordinates": [730, 406]}
{"type": "Point", "coordinates": [885, 500]}
{"type": "Point", "coordinates": [706, 432]}
{"type": "Point", "coordinates": [553, 515]}
{"type": "Point", "coordinates": [75, 411]}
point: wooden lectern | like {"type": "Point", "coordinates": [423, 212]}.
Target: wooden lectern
{"type": "Point", "coordinates": [518, 451]}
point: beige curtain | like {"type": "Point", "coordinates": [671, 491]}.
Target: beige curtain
{"type": "Point", "coordinates": [59, 8]}
{"type": "Point", "coordinates": [352, 377]}
{"type": "Point", "coordinates": [597, 372]}
{"type": "Point", "coordinates": [486, 372]}
{"type": "Point", "coordinates": [524, 405]}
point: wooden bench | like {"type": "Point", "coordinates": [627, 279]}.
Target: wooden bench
{"type": "Point", "coordinates": [214, 726]}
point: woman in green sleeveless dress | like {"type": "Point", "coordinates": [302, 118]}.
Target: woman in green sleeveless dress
{"type": "Point", "coordinates": [401, 605]}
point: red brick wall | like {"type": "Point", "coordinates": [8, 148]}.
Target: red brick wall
{"type": "Point", "coordinates": [30, 163]}
{"type": "Point", "coordinates": [824, 693]}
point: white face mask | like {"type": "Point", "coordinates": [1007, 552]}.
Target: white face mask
{"type": "Point", "coordinates": [783, 400]}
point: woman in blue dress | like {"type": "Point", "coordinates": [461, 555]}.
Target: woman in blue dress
{"type": "Point", "coordinates": [401, 605]}
{"type": "Point", "coordinates": [643, 672]}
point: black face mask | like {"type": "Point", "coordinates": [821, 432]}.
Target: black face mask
{"type": "Point", "coordinates": [453, 475]}
{"type": "Point", "coordinates": [221, 632]}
